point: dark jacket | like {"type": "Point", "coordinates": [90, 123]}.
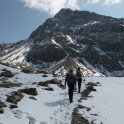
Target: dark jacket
{"type": "Point", "coordinates": [70, 79]}
{"type": "Point", "coordinates": [78, 74]}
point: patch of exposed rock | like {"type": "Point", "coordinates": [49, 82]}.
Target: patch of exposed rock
{"type": "Point", "coordinates": [44, 75]}
{"type": "Point", "coordinates": [32, 97]}
{"type": "Point", "coordinates": [27, 70]}
{"type": "Point", "coordinates": [9, 84]}
{"type": "Point", "coordinates": [78, 118]}
{"type": "Point", "coordinates": [49, 89]}
{"type": "Point", "coordinates": [53, 81]}
{"type": "Point", "coordinates": [6, 73]}
{"type": "Point", "coordinates": [15, 97]}
{"type": "Point", "coordinates": [2, 105]}
{"type": "Point", "coordinates": [12, 106]}
{"type": "Point", "coordinates": [47, 52]}
{"type": "Point", "coordinates": [29, 91]}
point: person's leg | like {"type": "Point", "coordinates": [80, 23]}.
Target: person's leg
{"type": "Point", "coordinates": [79, 84]}
{"type": "Point", "coordinates": [69, 94]}
{"type": "Point", "coordinates": [71, 89]}
{"type": "Point", "coordinates": [72, 93]}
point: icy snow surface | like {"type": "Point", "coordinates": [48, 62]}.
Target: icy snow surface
{"type": "Point", "coordinates": [107, 103]}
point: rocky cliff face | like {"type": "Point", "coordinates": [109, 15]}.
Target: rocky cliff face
{"type": "Point", "coordinates": [3, 47]}
{"type": "Point", "coordinates": [91, 40]}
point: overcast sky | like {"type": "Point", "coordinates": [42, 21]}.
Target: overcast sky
{"type": "Point", "coordinates": [18, 18]}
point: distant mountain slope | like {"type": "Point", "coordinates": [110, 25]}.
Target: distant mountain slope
{"type": "Point", "coordinates": [3, 47]}
{"type": "Point", "coordinates": [80, 35]}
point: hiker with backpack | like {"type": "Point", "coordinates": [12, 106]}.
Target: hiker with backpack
{"type": "Point", "coordinates": [79, 78]}
{"type": "Point", "coordinates": [71, 81]}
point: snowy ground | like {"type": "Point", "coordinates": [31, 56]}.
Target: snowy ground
{"type": "Point", "coordinates": [107, 103]}
{"type": "Point", "coordinates": [53, 107]}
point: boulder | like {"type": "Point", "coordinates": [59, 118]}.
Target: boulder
{"type": "Point", "coordinates": [61, 86]}
{"type": "Point", "coordinates": [15, 97]}
{"type": "Point", "coordinates": [91, 84]}
{"type": "Point", "coordinates": [44, 75]}
{"type": "Point", "coordinates": [55, 81]}
{"type": "Point", "coordinates": [4, 69]}
{"type": "Point", "coordinates": [31, 97]}
{"type": "Point", "coordinates": [1, 110]}
{"type": "Point", "coordinates": [88, 90]}
{"type": "Point", "coordinates": [29, 91]}
{"type": "Point", "coordinates": [44, 83]}
{"type": "Point", "coordinates": [13, 106]}
{"type": "Point", "coordinates": [2, 105]}
{"type": "Point", "coordinates": [9, 84]}
{"type": "Point", "coordinates": [7, 73]}
{"type": "Point", "coordinates": [49, 89]}
{"type": "Point", "coordinates": [27, 70]}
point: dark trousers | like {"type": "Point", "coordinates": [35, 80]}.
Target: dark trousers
{"type": "Point", "coordinates": [70, 92]}
{"type": "Point", "coordinates": [79, 84]}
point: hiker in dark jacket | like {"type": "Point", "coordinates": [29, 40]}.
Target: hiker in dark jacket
{"type": "Point", "coordinates": [79, 78]}
{"type": "Point", "coordinates": [70, 80]}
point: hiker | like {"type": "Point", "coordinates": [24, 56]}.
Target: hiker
{"type": "Point", "coordinates": [79, 78]}
{"type": "Point", "coordinates": [70, 80]}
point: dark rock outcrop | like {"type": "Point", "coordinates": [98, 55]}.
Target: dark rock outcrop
{"type": "Point", "coordinates": [32, 97]}
{"type": "Point", "coordinates": [101, 36]}
{"type": "Point", "coordinates": [7, 73]}
{"type": "Point", "coordinates": [47, 82]}
{"type": "Point", "coordinates": [2, 105]}
{"type": "Point", "coordinates": [27, 70]}
{"type": "Point", "coordinates": [15, 97]}
{"type": "Point", "coordinates": [12, 106]}
{"type": "Point", "coordinates": [76, 116]}
{"type": "Point", "coordinates": [49, 89]}
{"type": "Point", "coordinates": [47, 52]}
{"type": "Point", "coordinates": [55, 81]}
{"type": "Point", "coordinates": [29, 91]}
{"type": "Point", "coordinates": [44, 83]}
{"type": "Point", "coordinates": [5, 84]}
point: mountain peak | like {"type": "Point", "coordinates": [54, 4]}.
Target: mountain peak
{"type": "Point", "coordinates": [92, 39]}
{"type": "Point", "coordinates": [78, 16]}
{"type": "Point", "coordinates": [65, 12]}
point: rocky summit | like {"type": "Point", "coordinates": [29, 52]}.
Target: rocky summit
{"type": "Point", "coordinates": [70, 39]}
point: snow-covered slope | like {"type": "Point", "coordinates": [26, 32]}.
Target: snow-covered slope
{"type": "Point", "coordinates": [53, 107]}
{"type": "Point", "coordinates": [50, 107]}
{"type": "Point", "coordinates": [62, 67]}
{"type": "Point", "coordinates": [107, 103]}
{"type": "Point", "coordinates": [15, 55]}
